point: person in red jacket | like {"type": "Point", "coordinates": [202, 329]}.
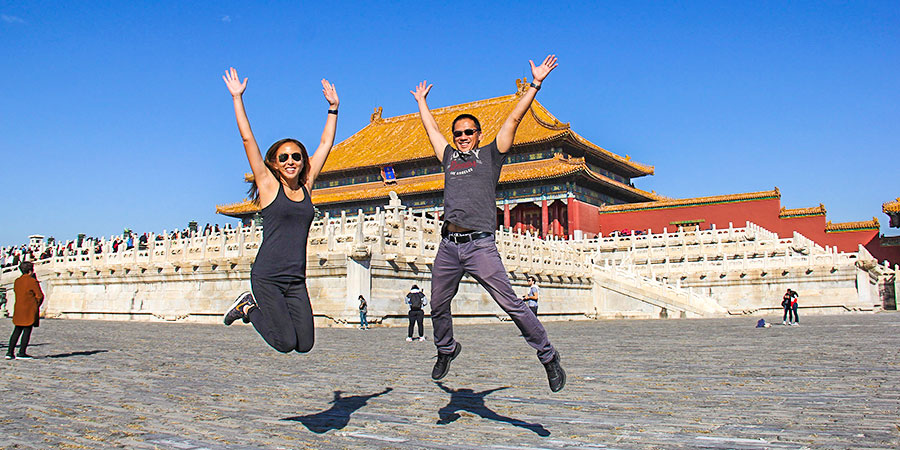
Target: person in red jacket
{"type": "Point", "coordinates": [28, 303]}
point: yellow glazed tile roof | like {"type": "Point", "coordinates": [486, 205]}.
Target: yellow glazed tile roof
{"type": "Point", "coordinates": [386, 141]}
{"type": "Point", "coordinates": [524, 171]}
{"type": "Point", "coordinates": [802, 212]}
{"type": "Point", "coordinates": [240, 208]}
{"type": "Point", "coordinates": [695, 201]}
{"type": "Point", "coordinates": [891, 207]}
{"type": "Point", "coordinates": [852, 226]}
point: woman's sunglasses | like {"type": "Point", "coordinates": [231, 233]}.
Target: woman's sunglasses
{"type": "Point", "coordinates": [468, 132]}
{"type": "Point", "coordinates": [284, 156]}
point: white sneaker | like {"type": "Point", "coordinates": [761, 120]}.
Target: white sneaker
{"type": "Point", "coordinates": [423, 338]}
{"type": "Point", "coordinates": [409, 339]}
{"type": "Point", "coordinates": [783, 322]}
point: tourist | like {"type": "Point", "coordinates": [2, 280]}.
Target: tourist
{"type": "Point", "coordinates": [794, 297]}
{"type": "Point", "coordinates": [363, 310]}
{"type": "Point", "coordinates": [531, 298]}
{"type": "Point", "coordinates": [26, 314]}
{"type": "Point", "coordinates": [786, 304]}
{"type": "Point", "coordinates": [416, 301]}
{"type": "Point", "coordinates": [279, 306]}
{"type": "Point", "coordinates": [471, 174]}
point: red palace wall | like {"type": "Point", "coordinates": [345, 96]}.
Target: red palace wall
{"type": "Point", "coordinates": [584, 217]}
{"type": "Point", "coordinates": [756, 211]}
{"type": "Point", "coordinates": [764, 213]}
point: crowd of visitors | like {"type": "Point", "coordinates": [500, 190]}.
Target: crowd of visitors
{"type": "Point", "coordinates": [12, 256]}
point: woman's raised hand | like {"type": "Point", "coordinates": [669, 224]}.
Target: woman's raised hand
{"type": "Point", "coordinates": [421, 91]}
{"type": "Point", "coordinates": [234, 83]}
{"type": "Point", "coordinates": [330, 94]}
{"type": "Point", "coordinates": [540, 72]}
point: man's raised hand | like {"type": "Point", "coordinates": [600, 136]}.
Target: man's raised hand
{"type": "Point", "coordinates": [234, 83]}
{"type": "Point", "coordinates": [421, 91]}
{"type": "Point", "coordinates": [540, 72]}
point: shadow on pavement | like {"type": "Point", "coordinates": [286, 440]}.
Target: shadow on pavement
{"type": "Point", "coordinates": [473, 402]}
{"type": "Point", "coordinates": [83, 353]}
{"type": "Point", "coordinates": [338, 416]}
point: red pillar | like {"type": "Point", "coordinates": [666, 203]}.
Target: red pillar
{"type": "Point", "coordinates": [572, 212]}
{"type": "Point", "coordinates": [557, 220]}
{"type": "Point", "coordinates": [506, 215]}
{"type": "Point", "coordinates": [545, 225]}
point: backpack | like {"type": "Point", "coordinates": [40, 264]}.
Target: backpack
{"type": "Point", "coordinates": [415, 300]}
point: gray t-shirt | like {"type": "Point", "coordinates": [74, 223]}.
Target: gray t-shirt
{"type": "Point", "coordinates": [470, 186]}
{"type": "Point", "coordinates": [533, 291]}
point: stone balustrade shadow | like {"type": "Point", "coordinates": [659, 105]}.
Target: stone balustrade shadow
{"type": "Point", "coordinates": [470, 401]}
{"type": "Point", "coordinates": [338, 416]}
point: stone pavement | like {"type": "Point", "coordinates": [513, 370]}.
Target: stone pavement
{"type": "Point", "coordinates": [705, 383]}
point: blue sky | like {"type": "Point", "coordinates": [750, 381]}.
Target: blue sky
{"type": "Point", "coordinates": [115, 114]}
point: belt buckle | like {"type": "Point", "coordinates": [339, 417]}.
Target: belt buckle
{"type": "Point", "coordinates": [459, 238]}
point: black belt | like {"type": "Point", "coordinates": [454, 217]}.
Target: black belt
{"type": "Point", "coordinates": [462, 238]}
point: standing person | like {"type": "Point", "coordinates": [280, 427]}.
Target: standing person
{"type": "Point", "coordinates": [786, 304]}
{"type": "Point", "coordinates": [471, 174]}
{"type": "Point", "coordinates": [531, 298]}
{"type": "Point", "coordinates": [279, 306]}
{"type": "Point", "coordinates": [27, 310]}
{"type": "Point", "coordinates": [794, 297]}
{"type": "Point", "coordinates": [416, 301]}
{"type": "Point", "coordinates": [363, 310]}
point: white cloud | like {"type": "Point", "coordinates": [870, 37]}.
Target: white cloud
{"type": "Point", "coordinates": [226, 19]}
{"type": "Point", "coordinates": [11, 19]}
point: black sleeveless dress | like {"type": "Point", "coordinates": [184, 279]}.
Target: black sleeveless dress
{"type": "Point", "coordinates": [282, 255]}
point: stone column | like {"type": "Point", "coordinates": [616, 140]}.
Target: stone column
{"type": "Point", "coordinates": [359, 282]}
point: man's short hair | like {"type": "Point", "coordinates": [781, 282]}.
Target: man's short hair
{"type": "Point", "coordinates": [532, 279]}
{"type": "Point", "coordinates": [465, 116]}
{"type": "Point", "coordinates": [26, 267]}
{"type": "Point", "coordinates": [414, 287]}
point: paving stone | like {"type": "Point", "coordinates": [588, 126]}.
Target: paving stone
{"type": "Point", "coordinates": [705, 383]}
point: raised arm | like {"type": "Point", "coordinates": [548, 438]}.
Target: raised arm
{"type": "Point", "coordinates": [507, 133]}
{"type": "Point", "coordinates": [438, 141]}
{"type": "Point", "coordinates": [317, 160]}
{"type": "Point", "coordinates": [264, 179]}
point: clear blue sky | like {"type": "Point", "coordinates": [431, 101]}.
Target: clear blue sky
{"type": "Point", "coordinates": [114, 114]}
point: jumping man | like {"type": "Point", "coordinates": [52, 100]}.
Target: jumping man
{"type": "Point", "coordinates": [471, 174]}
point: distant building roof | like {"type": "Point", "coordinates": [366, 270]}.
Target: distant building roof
{"type": "Point", "coordinates": [852, 226]}
{"type": "Point", "coordinates": [786, 213]}
{"type": "Point", "coordinates": [891, 207]}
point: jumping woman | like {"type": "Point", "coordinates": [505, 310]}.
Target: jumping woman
{"type": "Point", "coordinates": [278, 306]}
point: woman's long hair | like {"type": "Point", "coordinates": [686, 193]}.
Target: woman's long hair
{"type": "Point", "coordinates": [270, 164]}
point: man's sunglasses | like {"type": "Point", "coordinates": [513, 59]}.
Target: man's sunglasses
{"type": "Point", "coordinates": [284, 156]}
{"type": "Point", "coordinates": [468, 132]}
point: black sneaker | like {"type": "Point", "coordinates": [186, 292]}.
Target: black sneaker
{"type": "Point", "coordinates": [442, 365]}
{"type": "Point", "coordinates": [236, 310]}
{"type": "Point", "coordinates": [555, 374]}
{"type": "Point", "coordinates": [10, 357]}
{"type": "Point", "coordinates": [24, 357]}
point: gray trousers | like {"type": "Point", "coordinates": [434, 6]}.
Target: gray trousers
{"type": "Point", "coordinates": [481, 260]}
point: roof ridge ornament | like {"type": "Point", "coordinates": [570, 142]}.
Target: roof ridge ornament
{"type": "Point", "coordinates": [376, 116]}
{"type": "Point", "coordinates": [522, 86]}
